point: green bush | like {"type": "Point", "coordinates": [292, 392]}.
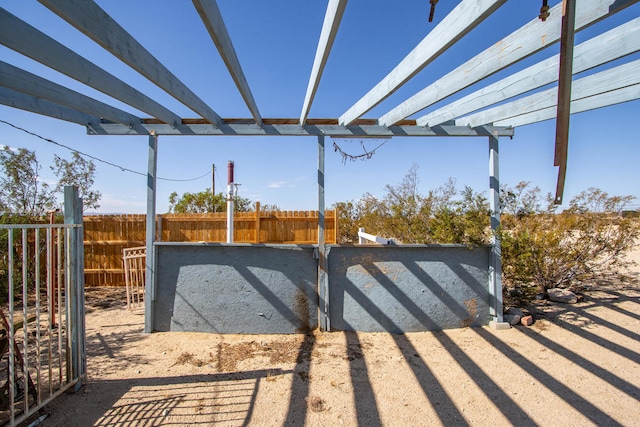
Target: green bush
{"type": "Point", "coordinates": [543, 249]}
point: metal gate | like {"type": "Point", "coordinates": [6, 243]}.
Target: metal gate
{"type": "Point", "coordinates": [42, 332]}
{"type": "Point", "coordinates": [134, 260]}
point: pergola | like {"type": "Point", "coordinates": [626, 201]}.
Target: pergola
{"type": "Point", "coordinates": [492, 111]}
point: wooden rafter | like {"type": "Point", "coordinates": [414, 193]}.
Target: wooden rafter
{"type": "Point", "coordinates": [30, 84]}
{"type": "Point", "coordinates": [212, 19]}
{"type": "Point", "coordinates": [518, 45]}
{"type": "Point", "coordinates": [332, 18]}
{"type": "Point", "coordinates": [613, 79]}
{"type": "Point", "coordinates": [95, 23]}
{"type": "Point", "coordinates": [22, 37]}
{"type": "Point", "coordinates": [601, 100]}
{"type": "Point", "coordinates": [464, 17]}
{"type": "Point", "coordinates": [22, 101]}
{"type": "Point", "coordinates": [614, 44]}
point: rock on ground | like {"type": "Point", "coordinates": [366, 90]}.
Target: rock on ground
{"type": "Point", "coordinates": [562, 295]}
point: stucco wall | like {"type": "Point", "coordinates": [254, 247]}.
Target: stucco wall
{"type": "Point", "coordinates": [272, 288]}
{"type": "Point", "coordinates": [408, 288]}
{"type": "Point", "coordinates": [252, 289]}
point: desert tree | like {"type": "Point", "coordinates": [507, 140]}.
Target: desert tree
{"type": "Point", "coordinates": [79, 172]}
{"type": "Point", "coordinates": [204, 202]}
{"type": "Point", "coordinates": [22, 192]}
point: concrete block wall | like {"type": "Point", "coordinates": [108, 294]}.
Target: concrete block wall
{"type": "Point", "coordinates": [251, 289]}
{"type": "Point", "coordinates": [257, 289]}
{"type": "Point", "coordinates": [408, 288]}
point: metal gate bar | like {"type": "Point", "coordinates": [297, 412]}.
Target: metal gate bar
{"type": "Point", "coordinates": [40, 362]}
{"type": "Point", "coordinates": [134, 274]}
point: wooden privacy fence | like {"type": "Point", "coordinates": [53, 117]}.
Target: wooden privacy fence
{"type": "Point", "coordinates": [106, 235]}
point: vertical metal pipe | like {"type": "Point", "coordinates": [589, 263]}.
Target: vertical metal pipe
{"type": "Point", "coordinates": [25, 317]}
{"type": "Point", "coordinates": [37, 292]}
{"type": "Point", "coordinates": [52, 300]}
{"type": "Point", "coordinates": [230, 199]}
{"type": "Point", "coordinates": [213, 180]}
{"type": "Point", "coordinates": [495, 261]}
{"type": "Point", "coordinates": [127, 278]}
{"type": "Point", "coordinates": [51, 305]}
{"type": "Point", "coordinates": [82, 326]}
{"type": "Point", "coordinates": [10, 334]}
{"type": "Point", "coordinates": [323, 285]}
{"type": "Point", "coordinates": [68, 306]}
{"type": "Point", "coordinates": [61, 235]}
{"type": "Point", "coordinates": [150, 279]}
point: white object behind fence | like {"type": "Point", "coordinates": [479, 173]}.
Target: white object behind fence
{"type": "Point", "coordinates": [134, 271]}
{"type": "Point", "coordinates": [363, 237]}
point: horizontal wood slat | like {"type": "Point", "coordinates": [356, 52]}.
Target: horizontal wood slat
{"type": "Point", "coordinates": [106, 235]}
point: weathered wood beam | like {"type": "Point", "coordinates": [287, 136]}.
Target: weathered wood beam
{"type": "Point", "coordinates": [212, 19]}
{"type": "Point", "coordinates": [22, 101]}
{"type": "Point", "coordinates": [332, 18]}
{"type": "Point", "coordinates": [614, 44]}
{"type": "Point", "coordinates": [95, 23]}
{"type": "Point", "coordinates": [247, 127]}
{"type": "Point", "coordinates": [565, 79]}
{"type": "Point", "coordinates": [25, 39]}
{"type": "Point", "coordinates": [30, 84]}
{"type": "Point", "coordinates": [609, 80]}
{"type": "Point", "coordinates": [527, 40]}
{"type": "Point", "coordinates": [601, 100]}
{"type": "Point", "coordinates": [462, 19]}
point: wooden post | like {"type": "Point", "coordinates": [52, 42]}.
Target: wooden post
{"type": "Point", "coordinates": [563, 113]}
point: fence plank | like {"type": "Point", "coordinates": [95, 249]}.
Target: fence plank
{"type": "Point", "coordinates": [106, 235]}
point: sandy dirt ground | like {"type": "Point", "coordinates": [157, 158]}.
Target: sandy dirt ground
{"type": "Point", "coordinates": [577, 365]}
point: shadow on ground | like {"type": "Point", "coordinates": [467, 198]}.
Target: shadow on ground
{"type": "Point", "coordinates": [579, 364]}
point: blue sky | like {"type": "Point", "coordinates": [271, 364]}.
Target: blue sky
{"type": "Point", "coordinates": [275, 42]}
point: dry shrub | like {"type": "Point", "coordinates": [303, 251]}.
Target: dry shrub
{"type": "Point", "coordinates": [543, 249]}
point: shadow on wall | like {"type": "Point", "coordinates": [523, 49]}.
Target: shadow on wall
{"type": "Point", "coordinates": [236, 289]}
{"type": "Point", "coordinates": [408, 289]}
{"type": "Point", "coordinates": [272, 288]}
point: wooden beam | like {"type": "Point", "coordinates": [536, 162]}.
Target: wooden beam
{"type": "Point", "coordinates": [565, 80]}
{"type": "Point", "coordinates": [527, 40]}
{"type": "Point", "coordinates": [612, 79]}
{"type": "Point", "coordinates": [12, 98]}
{"type": "Point", "coordinates": [332, 131]}
{"type": "Point", "coordinates": [462, 19]}
{"type": "Point", "coordinates": [95, 23]}
{"type": "Point", "coordinates": [614, 44]}
{"type": "Point", "coordinates": [212, 19]}
{"type": "Point", "coordinates": [30, 84]}
{"type": "Point", "coordinates": [601, 100]}
{"type": "Point", "coordinates": [332, 18]}
{"type": "Point", "coordinates": [23, 38]}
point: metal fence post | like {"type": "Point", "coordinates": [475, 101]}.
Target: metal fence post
{"type": "Point", "coordinates": [75, 297]}
{"type": "Point", "coordinates": [150, 279]}
{"type": "Point", "coordinates": [323, 277]}
{"type": "Point", "coordinates": [495, 261]}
